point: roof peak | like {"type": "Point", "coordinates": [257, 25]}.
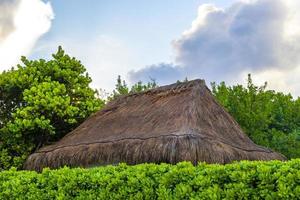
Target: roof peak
{"type": "Point", "coordinates": [174, 87]}
{"type": "Point", "coordinates": [180, 85]}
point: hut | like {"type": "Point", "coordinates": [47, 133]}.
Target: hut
{"type": "Point", "coordinates": [173, 123]}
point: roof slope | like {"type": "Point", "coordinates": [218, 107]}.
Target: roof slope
{"type": "Point", "coordinates": [172, 123]}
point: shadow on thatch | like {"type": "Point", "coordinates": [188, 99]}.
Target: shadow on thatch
{"type": "Point", "coordinates": [168, 124]}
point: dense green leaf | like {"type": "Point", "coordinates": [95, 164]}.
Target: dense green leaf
{"type": "Point", "coordinates": [241, 180]}
{"type": "Point", "coordinates": [270, 118]}
{"type": "Point", "coordinates": [41, 101]}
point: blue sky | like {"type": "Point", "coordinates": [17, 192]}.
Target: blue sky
{"type": "Point", "coordinates": [145, 25]}
{"type": "Point", "coordinates": [144, 29]}
{"type": "Point", "coordinates": [217, 40]}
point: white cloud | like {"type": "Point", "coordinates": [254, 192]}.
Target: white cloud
{"type": "Point", "coordinates": [257, 36]}
{"type": "Point", "coordinates": [7, 11]}
{"type": "Point", "coordinates": [24, 22]}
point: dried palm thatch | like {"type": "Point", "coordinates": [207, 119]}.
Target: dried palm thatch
{"type": "Point", "coordinates": [169, 124]}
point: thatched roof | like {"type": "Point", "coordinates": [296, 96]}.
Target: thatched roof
{"type": "Point", "coordinates": [169, 124]}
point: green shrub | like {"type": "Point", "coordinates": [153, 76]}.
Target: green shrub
{"type": "Point", "coordinates": [243, 180]}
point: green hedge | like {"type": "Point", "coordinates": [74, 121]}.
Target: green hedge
{"type": "Point", "coordinates": [242, 180]}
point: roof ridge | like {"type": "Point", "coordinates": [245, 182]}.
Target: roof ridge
{"type": "Point", "coordinates": [177, 87]}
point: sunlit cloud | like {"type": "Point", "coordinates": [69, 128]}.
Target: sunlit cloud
{"type": "Point", "coordinates": [261, 37]}
{"type": "Point", "coordinates": [25, 22]}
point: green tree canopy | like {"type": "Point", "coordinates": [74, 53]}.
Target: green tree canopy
{"type": "Point", "coordinates": [41, 101]}
{"type": "Point", "coordinates": [270, 118]}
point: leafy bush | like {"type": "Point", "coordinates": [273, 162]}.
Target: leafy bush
{"type": "Point", "coordinates": [41, 101]}
{"type": "Point", "coordinates": [243, 180]}
{"type": "Point", "coordinates": [269, 118]}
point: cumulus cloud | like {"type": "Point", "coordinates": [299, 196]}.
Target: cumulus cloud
{"type": "Point", "coordinates": [248, 35]}
{"type": "Point", "coordinates": [7, 11]}
{"type": "Point", "coordinates": [257, 36]}
{"type": "Point", "coordinates": [22, 23]}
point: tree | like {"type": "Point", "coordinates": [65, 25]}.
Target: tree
{"type": "Point", "coordinates": [123, 89]}
{"type": "Point", "coordinates": [41, 101]}
{"type": "Point", "coordinates": [270, 118]}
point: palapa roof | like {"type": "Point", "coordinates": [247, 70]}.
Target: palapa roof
{"type": "Point", "coordinates": [178, 122]}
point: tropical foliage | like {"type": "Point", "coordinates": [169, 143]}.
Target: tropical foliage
{"type": "Point", "coordinates": [41, 101]}
{"type": "Point", "coordinates": [270, 118]}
